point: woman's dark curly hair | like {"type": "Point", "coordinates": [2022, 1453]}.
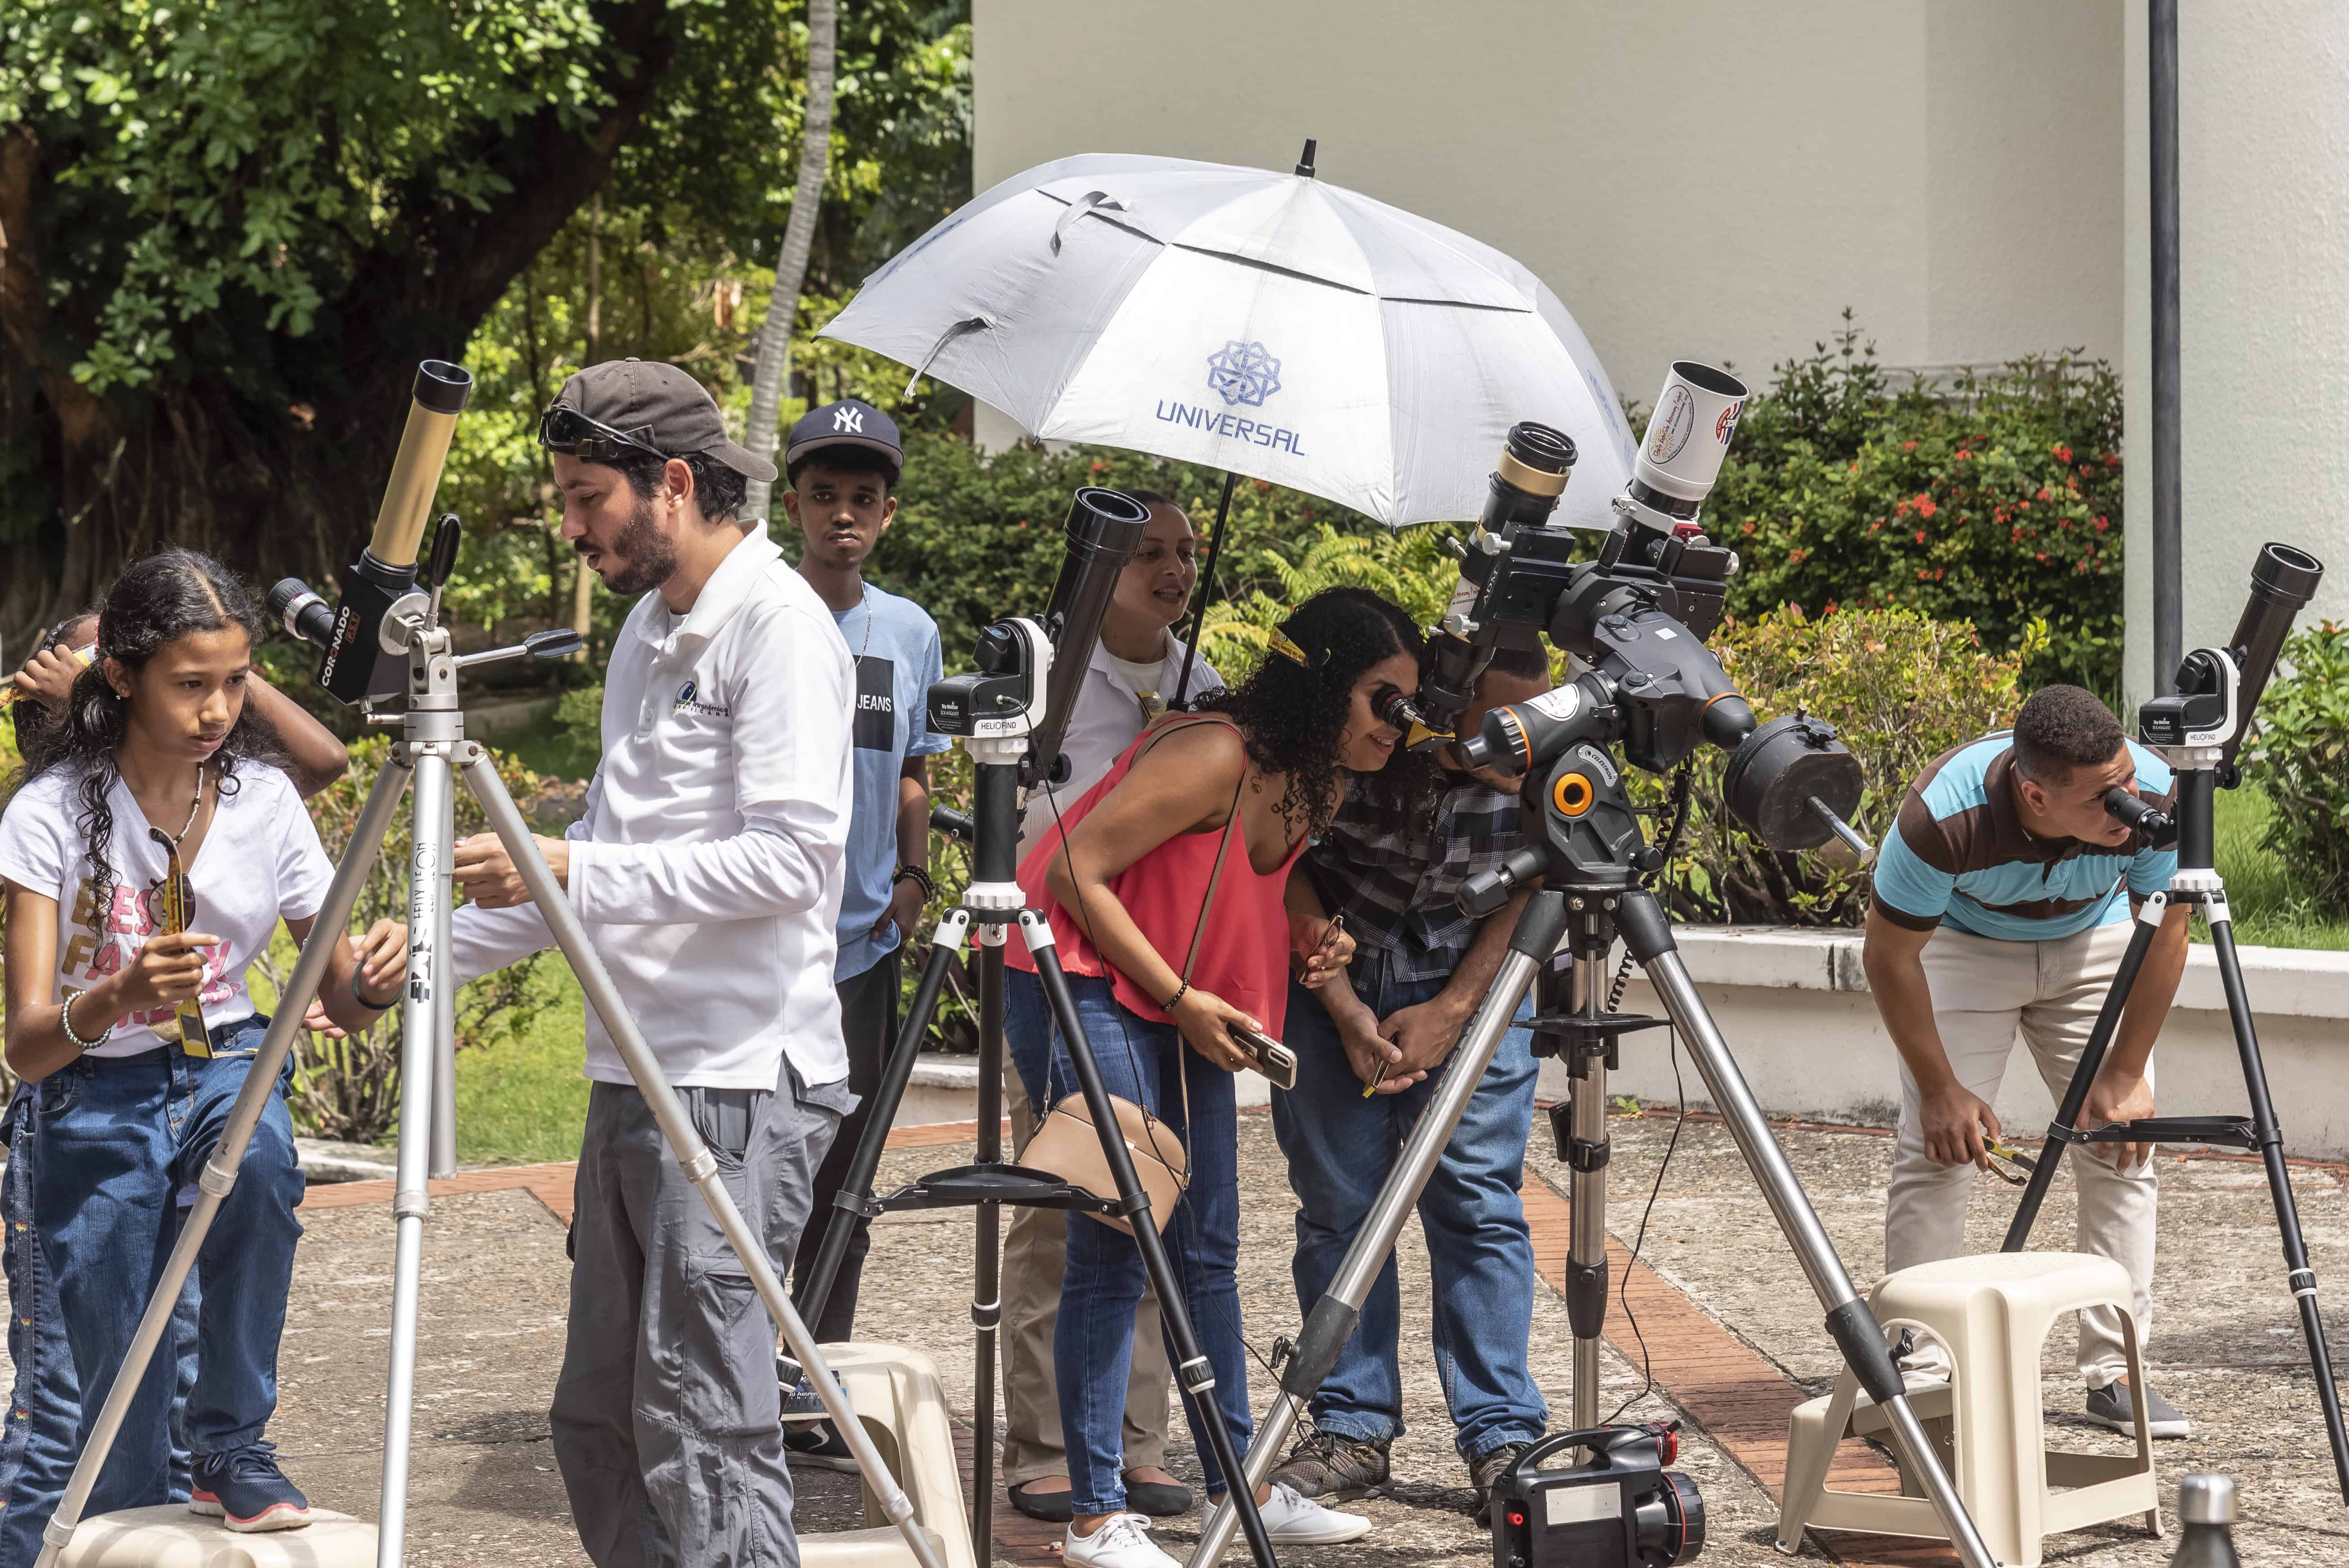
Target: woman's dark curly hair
{"type": "Point", "coordinates": [1292, 716]}
{"type": "Point", "coordinates": [162, 598]}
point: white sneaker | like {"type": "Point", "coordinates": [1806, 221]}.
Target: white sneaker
{"type": "Point", "coordinates": [1122, 1541]}
{"type": "Point", "coordinates": [1292, 1519]}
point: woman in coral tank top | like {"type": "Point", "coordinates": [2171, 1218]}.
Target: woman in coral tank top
{"type": "Point", "coordinates": [1160, 978]}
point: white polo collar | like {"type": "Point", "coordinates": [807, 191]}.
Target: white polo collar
{"type": "Point", "coordinates": [727, 588]}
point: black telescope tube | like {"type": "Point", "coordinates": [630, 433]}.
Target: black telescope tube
{"type": "Point", "coordinates": [2283, 579]}
{"type": "Point", "coordinates": [1104, 529]}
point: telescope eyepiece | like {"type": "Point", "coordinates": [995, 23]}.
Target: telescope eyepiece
{"type": "Point", "coordinates": [2286, 575]}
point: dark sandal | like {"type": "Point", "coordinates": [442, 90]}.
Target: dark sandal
{"type": "Point", "coordinates": [1051, 1507]}
{"type": "Point", "coordinates": [1159, 1499]}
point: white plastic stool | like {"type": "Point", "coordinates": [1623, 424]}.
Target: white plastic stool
{"type": "Point", "coordinates": [169, 1536]}
{"type": "Point", "coordinates": [1994, 1312]}
{"type": "Point", "coordinates": [897, 1395]}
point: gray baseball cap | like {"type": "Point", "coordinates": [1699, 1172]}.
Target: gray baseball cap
{"type": "Point", "coordinates": [647, 405]}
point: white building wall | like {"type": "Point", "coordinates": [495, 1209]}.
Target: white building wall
{"type": "Point", "coordinates": [1711, 179]}
{"type": "Point", "coordinates": [2263, 247]}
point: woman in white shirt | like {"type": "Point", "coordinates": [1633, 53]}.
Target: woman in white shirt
{"type": "Point", "coordinates": [147, 862]}
{"type": "Point", "coordinates": [1131, 681]}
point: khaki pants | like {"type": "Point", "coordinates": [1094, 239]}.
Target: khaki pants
{"type": "Point", "coordinates": [1983, 992]}
{"type": "Point", "coordinates": [1033, 1263]}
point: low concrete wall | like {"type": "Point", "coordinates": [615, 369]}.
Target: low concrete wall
{"type": "Point", "coordinates": [1795, 1007]}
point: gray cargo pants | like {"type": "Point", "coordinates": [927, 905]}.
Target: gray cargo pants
{"type": "Point", "coordinates": [666, 1415]}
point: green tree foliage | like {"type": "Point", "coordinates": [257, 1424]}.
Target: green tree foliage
{"type": "Point", "coordinates": [233, 231]}
{"type": "Point", "coordinates": [1995, 501]}
{"type": "Point", "coordinates": [2300, 755]}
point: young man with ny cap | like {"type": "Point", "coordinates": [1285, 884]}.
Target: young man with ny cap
{"type": "Point", "coordinates": [1419, 969]}
{"type": "Point", "coordinates": [2002, 902]}
{"type": "Point", "coordinates": [708, 871]}
{"type": "Point", "coordinates": [843, 461]}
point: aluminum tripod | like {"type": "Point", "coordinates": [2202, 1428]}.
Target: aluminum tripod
{"type": "Point", "coordinates": [2197, 882]}
{"type": "Point", "coordinates": [1591, 918]}
{"type": "Point", "coordinates": [432, 745]}
{"type": "Point", "coordinates": [994, 903]}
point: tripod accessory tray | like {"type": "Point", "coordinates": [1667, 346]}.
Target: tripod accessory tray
{"type": "Point", "coordinates": [2222, 1132]}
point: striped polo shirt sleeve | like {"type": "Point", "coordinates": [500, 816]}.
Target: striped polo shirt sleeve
{"type": "Point", "coordinates": [1942, 830]}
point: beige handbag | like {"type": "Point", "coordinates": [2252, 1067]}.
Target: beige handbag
{"type": "Point", "coordinates": [1066, 1144]}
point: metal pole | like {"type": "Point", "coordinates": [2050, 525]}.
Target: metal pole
{"type": "Point", "coordinates": [2169, 542]}
{"type": "Point", "coordinates": [444, 1029]}
{"type": "Point", "coordinates": [219, 1176]}
{"type": "Point", "coordinates": [1332, 1322]}
{"type": "Point", "coordinates": [701, 1166]}
{"type": "Point", "coordinates": [419, 1050]}
{"type": "Point", "coordinates": [1585, 1264]}
{"type": "Point", "coordinates": [1206, 587]}
{"type": "Point", "coordinates": [987, 1291]}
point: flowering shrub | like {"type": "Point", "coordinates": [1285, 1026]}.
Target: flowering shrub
{"type": "Point", "coordinates": [1996, 500]}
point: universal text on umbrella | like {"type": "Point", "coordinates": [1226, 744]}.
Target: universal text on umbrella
{"type": "Point", "coordinates": [1256, 433]}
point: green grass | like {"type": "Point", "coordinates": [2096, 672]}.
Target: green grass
{"type": "Point", "coordinates": [524, 1100]}
{"type": "Point", "coordinates": [2267, 913]}
{"type": "Point", "coordinates": [551, 751]}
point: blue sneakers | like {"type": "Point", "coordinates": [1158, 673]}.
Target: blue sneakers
{"type": "Point", "coordinates": [244, 1489]}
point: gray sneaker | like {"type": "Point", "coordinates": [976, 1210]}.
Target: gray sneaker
{"type": "Point", "coordinates": [1331, 1464]}
{"type": "Point", "coordinates": [1487, 1467]}
{"type": "Point", "coordinates": [2111, 1406]}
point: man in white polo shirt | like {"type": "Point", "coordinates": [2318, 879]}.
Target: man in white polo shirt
{"type": "Point", "coordinates": [708, 870]}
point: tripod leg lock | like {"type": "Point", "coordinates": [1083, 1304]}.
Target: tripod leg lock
{"type": "Point", "coordinates": [2302, 1282]}
{"type": "Point", "coordinates": [1319, 1343]}
{"type": "Point", "coordinates": [986, 1314]}
{"type": "Point", "coordinates": [217, 1180]}
{"type": "Point", "coordinates": [1198, 1377]}
{"type": "Point", "coordinates": [1861, 1340]}
{"type": "Point", "coordinates": [1586, 1298]}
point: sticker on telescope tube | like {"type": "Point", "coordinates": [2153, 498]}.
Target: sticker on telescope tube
{"type": "Point", "coordinates": [1726, 425]}
{"type": "Point", "coordinates": [1675, 420]}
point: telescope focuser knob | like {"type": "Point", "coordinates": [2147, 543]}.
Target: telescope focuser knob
{"type": "Point", "coordinates": [1486, 891]}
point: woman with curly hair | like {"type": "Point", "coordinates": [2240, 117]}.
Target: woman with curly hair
{"type": "Point", "coordinates": [148, 859]}
{"type": "Point", "coordinates": [1204, 809]}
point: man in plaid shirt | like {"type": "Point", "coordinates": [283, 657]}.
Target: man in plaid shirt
{"type": "Point", "coordinates": [1420, 969]}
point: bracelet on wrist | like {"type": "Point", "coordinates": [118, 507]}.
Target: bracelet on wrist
{"type": "Point", "coordinates": [372, 1006]}
{"type": "Point", "coordinates": [1175, 1000]}
{"type": "Point", "coordinates": [65, 1017]}
{"type": "Point", "coordinates": [919, 873]}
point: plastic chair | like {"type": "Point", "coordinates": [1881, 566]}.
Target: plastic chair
{"type": "Point", "coordinates": [1993, 1311]}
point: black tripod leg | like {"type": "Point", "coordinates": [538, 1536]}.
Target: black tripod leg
{"type": "Point", "coordinates": [987, 1291]}
{"type": "Point", "coordinates": [1849, 1320]}
{"type": "Point", "coordinates": [2298, 1275]}
{"type": "Point", "coordinates": [854, 1200]}
{"type": "Point", "coordinates": [2084, 1077]}
{"type": "Point", "coordinates": [1192, 1368]}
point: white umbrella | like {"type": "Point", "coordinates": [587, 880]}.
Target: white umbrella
{"type": "Point", "coordinates": [1271, 325]}
{"type": "Point", "coordinates": [1268, 325]}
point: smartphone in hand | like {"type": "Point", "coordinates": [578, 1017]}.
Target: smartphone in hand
{"type": "Point", "coordinates": [1276, 1062]}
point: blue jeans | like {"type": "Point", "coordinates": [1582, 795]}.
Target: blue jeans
{"type": "Point", "coordinates": [119, 1138]}
{"type": "Point", "coordinates": [37, 1446]}
{"type": "Point", "coordinates": [1093, 1346]}
{"type": "Point", "coordinates": [1341, 1148]}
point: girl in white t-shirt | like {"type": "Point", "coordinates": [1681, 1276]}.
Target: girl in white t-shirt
{"type": "Point", "coordinates": [147, 862]}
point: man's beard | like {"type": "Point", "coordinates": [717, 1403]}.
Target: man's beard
{"type": "Point", "coordinates": [649, 555]}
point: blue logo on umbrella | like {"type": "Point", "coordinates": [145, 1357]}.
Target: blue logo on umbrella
{"type": "Point", "coordinates": [1243, 373]}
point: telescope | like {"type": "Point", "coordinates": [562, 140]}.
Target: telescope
{"type": "Point", "coordinates": [364, 638]}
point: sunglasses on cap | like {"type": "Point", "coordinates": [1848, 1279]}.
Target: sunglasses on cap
{"type": "Point", "coordinates": [565, 430]}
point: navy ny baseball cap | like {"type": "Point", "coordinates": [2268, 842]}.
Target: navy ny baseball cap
{"type": "Point", "coordinates": [851, 421]}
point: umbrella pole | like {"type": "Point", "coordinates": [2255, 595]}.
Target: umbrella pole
{"type": "Point", "coordinates": [1207, 587]}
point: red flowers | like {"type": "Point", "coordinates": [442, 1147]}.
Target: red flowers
{"type": "Point", "coordinates": [1921, 535]}
{"type": "Point", "coordinates": [2044, 494]}
{"type": "Point", "coordinates": [1926, 506]}
{"type": "Point", "coordinates": [2063, 455]}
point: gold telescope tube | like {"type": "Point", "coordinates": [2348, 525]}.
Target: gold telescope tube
{"type": "Point", "coordinates": [441, 389]}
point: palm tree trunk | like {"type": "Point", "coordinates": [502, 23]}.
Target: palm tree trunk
{"type": "Point", "coordinates": [799, 238]}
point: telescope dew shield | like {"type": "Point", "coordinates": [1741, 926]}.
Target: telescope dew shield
{"type": "Point", "coordinates": [2283, 579]}
{"type": "Point", "coordinates": [1688, 435]}
{"type": "Point", "coordinates": [357, 666]}
{"type": "Point", "coordinates": [1104, 529]}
